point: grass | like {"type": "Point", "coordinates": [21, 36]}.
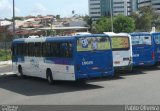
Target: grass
{"type": "Point", "coordinates": [5, 55]}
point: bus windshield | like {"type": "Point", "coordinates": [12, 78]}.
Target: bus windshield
{"type": "Point", "coordinates": [141, 40]}
{"type": "Point", "coordinates": [93, 43]}
{"type": "Point", "coordinates": [120, 43]}
{"type": "Point", "coordinates": [157, 39]}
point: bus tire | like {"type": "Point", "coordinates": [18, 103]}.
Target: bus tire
{"type": "Point", "coordinates": [20, 71]}
{"type": "Point", "coordinates": [116, 75]}
{"type": "Point", "coordinates": [49, 76]}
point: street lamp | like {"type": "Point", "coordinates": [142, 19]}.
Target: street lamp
{"type": "Point", "coordinates": [13, 24]}
{"type": "Point", "coordinates": [111, 15]}
{"type": "Point", "coordinates": [13, 18]}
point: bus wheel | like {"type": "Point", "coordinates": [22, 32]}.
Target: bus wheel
{"type": "Point", "coordinates": [49, 76]}
{"type": "Point", "coordinates": [20, 71]}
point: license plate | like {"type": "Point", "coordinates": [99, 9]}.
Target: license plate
{"type": "Point", "coordinates": [117, 62]}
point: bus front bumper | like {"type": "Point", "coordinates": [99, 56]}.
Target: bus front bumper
{"type": "Point", "coordinates": [94, 75]}
{"type": "Point", "coordinates": [146, 63]}
{"type": "Point", "coordinates": [123, 68]}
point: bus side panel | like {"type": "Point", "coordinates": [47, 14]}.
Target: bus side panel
{"type": "Point", "coordinates": [143, 55]}
{"type": "Point", "coordinates": [94, 64]}
{"type": "Point", "coordinates": [157, 53]}
{"type": "Point", "coordinates": [62, 68]}
{"type": "Point", "coordinates": [156, 37]}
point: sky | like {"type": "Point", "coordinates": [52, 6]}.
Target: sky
{"type": "Point", "coordinates": [43, 7]}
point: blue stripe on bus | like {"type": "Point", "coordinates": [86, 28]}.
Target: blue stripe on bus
{"type": "Point", "coordinates": [59, 39]}
{"type": "Point", "coordinates": [62, 61]}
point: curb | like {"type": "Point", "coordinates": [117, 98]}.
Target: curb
{"type": "Point", "coordinates": [7, 73]}
{"type": "Point", "coordinates": [5, 63]}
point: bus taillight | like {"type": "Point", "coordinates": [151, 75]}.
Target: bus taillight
{"type": "Point", "coordinates": [78, 67]}
{"type": "Point", "coordinates": [153, 55]}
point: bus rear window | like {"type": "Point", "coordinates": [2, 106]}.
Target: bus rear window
{"type": "Point", "coordinates": [157, 39]}
{"type": "Point", "coordinates": [141, 40]}
{"type": "Point", "coordinates": [120, 43]}
{"type": "Point", "coordinates": [93, 43]}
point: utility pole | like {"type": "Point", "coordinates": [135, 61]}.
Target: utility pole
{"type": "Point", "coordinates": [13, 24]}
{"type": "Point", "coordinates": [111, 15]}
{"type": "Point", "coordinates": [13, 19]}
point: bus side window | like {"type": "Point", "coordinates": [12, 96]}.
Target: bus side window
{"type": "Point", "coordinates": [63, 49]}
{"type": "Point", "coordinates": [25, 49]}
{"type": "Point", "coordinates": [55, 49]}
{"type": "Point", "coordinates": [13, 50]}
{"type": "Point", "coordinates": [69, 52]}
{"type": "Point", "coordinates": [31, 49]}
{"type": "Point", "coordinates": [43, 50]}
{"type": "Point", "coordinates": [20, 49]}
{"type": "Point", "coordinates": [46, 50]}
{"type": "Point", "coordinates": [66, 50]}
{"type": "Point", "coordinates": [38, 50]}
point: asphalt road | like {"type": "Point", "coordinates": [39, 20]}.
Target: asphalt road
{"type": "Point", "coordinates": [5, 68]}
{"type": "Point", "coordinates": [139, 87]}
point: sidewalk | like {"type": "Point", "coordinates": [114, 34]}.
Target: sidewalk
{"type": "Point", "coordinates": [5, 63]}
{"type": "Point", "coordinates": [7, 73]}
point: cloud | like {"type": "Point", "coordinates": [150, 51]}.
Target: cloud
{"type": "Point", "coordinates": [6, 9]}
{"type": "Point", "coordinates": [39, 9]}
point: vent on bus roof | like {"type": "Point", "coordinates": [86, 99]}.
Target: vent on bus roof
{"type": "Point", "coordinates": [34, 36]}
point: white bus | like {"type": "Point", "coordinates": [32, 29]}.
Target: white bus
{"type": "Point", "coordinates": [122, 51]}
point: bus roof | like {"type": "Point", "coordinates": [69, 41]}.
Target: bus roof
{"type": "Point", "coordinates": [116, 34]}
{"type": "Point", "coordinates": [82, 33]}
{"type": "Point", "coordinates": [144, 33]}
{"type": "Point", "coordinates": [57, 38]}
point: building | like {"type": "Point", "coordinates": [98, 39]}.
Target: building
{"type": "Point", "coordinates": [142, 3]}
{"type": "Point", "coordinates": [125, 7]}
{"type": "Point", "coordinates": [121, 7]}
{"type": "Point", "coordinates": [155, 4]}
{"type": "Point", "coordinates": [106, 6]}
{"type": "Point", "coordinates": [98, 8]}
{"type": "Point", "coordinates": [95, 9]}
{"type": "Point", "coordinates": [5, 23]}
{"type": "Point", "coordinates": [134, 5]}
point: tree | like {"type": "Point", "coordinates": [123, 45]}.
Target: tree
{"type": "Point", "coordinates": [58, 17]}
{"type": "Point", "coordinates": [145, 18]}
{"type": "Point", "coordinates": [73, 12]}
{"type": "Point", "coordinates": [88, 20]}
{"type": "Point", "coordinates": [103, 25]}
{"type": "Point", "coordinates": [123, 23]}
{"type": "Point", "coordinates": [50, 32]}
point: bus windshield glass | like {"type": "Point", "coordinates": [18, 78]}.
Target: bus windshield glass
{"type": "Point", "coordinates": [93, 43]}
{"type": "Point", "coordinates": [120, 43]}
{"type": "Point", "coordinates": [141, 40]}
{"type": "Point", "coordinates": [157, 39]}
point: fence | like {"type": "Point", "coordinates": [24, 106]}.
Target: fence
{"type": "Point", "coordinates": [5, 45]}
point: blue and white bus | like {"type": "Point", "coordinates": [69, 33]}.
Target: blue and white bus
{"type": "Point", "coordinates": [63, 58]}
{"type": "Point", "coordinates": [156, 37]}
{"type": "Point", "coordinates": [146, 48]}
